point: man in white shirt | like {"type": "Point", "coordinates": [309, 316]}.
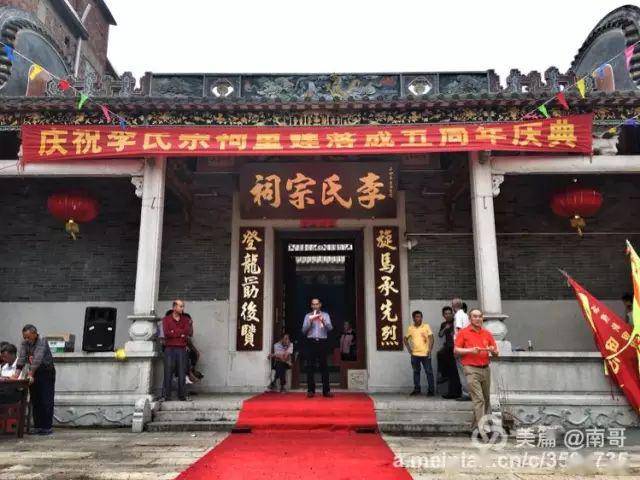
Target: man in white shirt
{"type": "Point", "coordinates": [282, 360]}
{"type": "Point", "coordinates": [9, 357]}
{"type": "Point", "coordinates": [460, 321]}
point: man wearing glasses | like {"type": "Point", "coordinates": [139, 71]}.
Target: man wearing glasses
{"type": "Point", "coordinates": [316, 326]}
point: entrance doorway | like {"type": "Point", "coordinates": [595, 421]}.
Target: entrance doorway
{"type": "Point", "coordinates": [328, 266]}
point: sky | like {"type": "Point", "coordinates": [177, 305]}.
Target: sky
{"type": "Point", "coordinates": [283, 36]}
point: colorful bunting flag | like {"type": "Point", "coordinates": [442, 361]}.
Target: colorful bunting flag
{"type": "Point", "coordinates": [631, 122]}
{"type": "Point", "coordinates": [34, 71]}
{"type": "Point", "coordinates": [63, 85]}
{"type": "Point", "coordinates": [105, 112]}
{"type": "Point", "coordinates": [81, 100]}
{"type": "Point", "coordinates": [562, 100]}
{"type": "Point", "coordinates": [543, 110]}
{"type": "Point", "coordinates": [613, 130]}
{"type": "Point", "coordinates": [582, 88]}
{"type": "Point", "coordinates": [628, 53]}
{"type": "Point", "coordinates": [600, 71]}
{"type": "Point", "coordinates": [8, 51]}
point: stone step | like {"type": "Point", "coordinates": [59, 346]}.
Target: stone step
{"type": "Point", "coordinates": [196, 415]}
{"type": "Point", "coordinates": [396, 414]}
{"type": "Point", "coordinates": [402, 416]}
{"type": "Point", "coordinates": [423, 404]}
{"type": "Point", "coordinates": [419, 428]}
{"type": "Point", "coordinates": [210, 402]}
{"type": "Point", "coordinates": [186, 426]}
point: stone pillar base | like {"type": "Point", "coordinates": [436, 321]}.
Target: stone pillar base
{"type": "Point", "coordinates": [494, 322]}
{"type": "Point", "coordinates": [143, 334]}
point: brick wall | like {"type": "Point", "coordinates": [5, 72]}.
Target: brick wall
{"type": "Point", "coordinates": [38, 262]}
{"type": "Point", "coordinates": [94, 50]}
{"type": "Point", "coordinates": [195, 257]}
{"type": "Point", "coordinates": [443, 266]}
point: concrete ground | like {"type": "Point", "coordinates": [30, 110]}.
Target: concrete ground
{"type": "Point", "coordinates": [73, 454]}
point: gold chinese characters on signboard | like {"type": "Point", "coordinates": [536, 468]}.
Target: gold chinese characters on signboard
{"type": "Point", "coordinates": [318, 190]}
{"type": "Point", "coordinates": [387, 283]}
{"type": "Point", "coordinates": [250, 289]}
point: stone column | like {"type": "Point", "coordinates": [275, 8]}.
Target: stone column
{"type": "Point", "coordinates": [143, 327]}
{"type": "Point", "coordinates": [484, 187]}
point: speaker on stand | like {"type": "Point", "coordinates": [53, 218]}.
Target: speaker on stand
{"type": "Point", "coordinates": [99, 329]}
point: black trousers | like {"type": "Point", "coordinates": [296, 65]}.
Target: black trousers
{"type": "Point", "coordinates": [317, 354]}
{"type": "Point", "coordinates": [42, 393]}
{"type": "Point", "coordinates": [447, 362]}
{"type": "Point", "coordinates": [281, 372]}
{"type": "Point", "coordinates": [175, 359]}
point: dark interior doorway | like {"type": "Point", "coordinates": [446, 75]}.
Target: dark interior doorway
{"type": "Point", "coordinates": [328, 266]}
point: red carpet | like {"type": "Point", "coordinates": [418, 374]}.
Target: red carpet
{"type": "Point", "coordinates": [293, 437]}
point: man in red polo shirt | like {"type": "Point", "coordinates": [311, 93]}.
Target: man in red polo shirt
{"type": "Point", "coordinates": [475, 345]}
{"type": "Point", "coordinates": [176, 329]}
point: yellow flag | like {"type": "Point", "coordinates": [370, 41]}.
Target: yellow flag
{"type": "Point", "coordinates": [635, 275]}
{"type": "Point", "coordinates": [34, 71]}
{"type": "Point", "coordinates": [582, 88]}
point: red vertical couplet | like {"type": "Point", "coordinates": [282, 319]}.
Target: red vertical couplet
{"type": "Point", "coordinates": [250, 289]}
{"type": "Point", "coordinates": [386, 254]}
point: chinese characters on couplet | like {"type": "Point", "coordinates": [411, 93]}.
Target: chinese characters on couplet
{"type": "Point", "coordinates": [250, 289]}
{"type": "Point", "coordinates": [319, 190]}
{"type": "Point", "coordinates": [387, 281]}
{"type": "Point", "coordinates": [50, 142]}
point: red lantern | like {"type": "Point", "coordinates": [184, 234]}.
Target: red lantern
{"type": "Point", "coordinates": [576, 203]}
{"type": "Point", "coordinates": [73, 208]}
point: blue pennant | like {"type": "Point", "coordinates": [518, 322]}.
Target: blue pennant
{"type": "Point", "coordinates": [9, 53]}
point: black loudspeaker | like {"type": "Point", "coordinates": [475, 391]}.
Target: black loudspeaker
{"type": "Point", "coordinates": [99, 329]}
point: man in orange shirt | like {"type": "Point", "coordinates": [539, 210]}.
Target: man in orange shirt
{"type": "Point", "coordinates": [475, 345]}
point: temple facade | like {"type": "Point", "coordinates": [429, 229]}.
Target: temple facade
{"type": "Point", "coordinates": [247, 239]}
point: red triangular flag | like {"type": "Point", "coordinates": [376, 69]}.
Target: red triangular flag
{"type": "Point", "coordinates": [63, 85]}
{"type": "Point", "coordinates": [105, 112]}
{"type": "Point", "coordinates": [611, 334]}
{"type": "Point", "coordinates": [562, 100]}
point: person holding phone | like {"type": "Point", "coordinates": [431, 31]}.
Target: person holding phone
{"type": "Point", "coordinates": [475, 345]}
{"type": "Point", "coordinates": [315, 327]}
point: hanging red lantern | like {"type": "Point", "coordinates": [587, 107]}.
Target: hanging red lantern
{"type": "Point", "coordinates": [576, 203]}
{"type": "Point", "coordinates": [73, 208]}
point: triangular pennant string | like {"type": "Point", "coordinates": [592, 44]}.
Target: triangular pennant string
{"type": "Point", "coordinates": [562, 100]}
{"type": "Point", "coordinates": [543, 110]}
{"type": "Point", "coordinates": [63, 85]}
{"type": "Point", "coordinates": [81, 100]}
{"type": "Point", "coordinates": [582, 88]}
{"type": "Point", "coordinates": [628, 53]}
{"type": "Point", "coordinates": [105, 112]}
{"type": "Point", "coordinates": [8, 51]}
{"type": "Point", "coordinates": [34, 71]}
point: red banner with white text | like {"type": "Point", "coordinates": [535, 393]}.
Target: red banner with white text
{"type": "Point", "coordinates": [53, 143]}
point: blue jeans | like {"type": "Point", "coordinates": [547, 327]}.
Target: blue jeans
{"type": "Point", "coordinates": [426, 364]}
